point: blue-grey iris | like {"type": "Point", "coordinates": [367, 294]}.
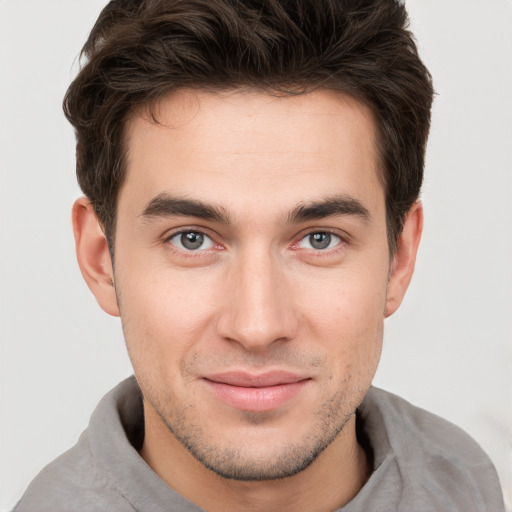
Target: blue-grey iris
{"type": "Point", "coordinates": [320, 240]}
{"type": "Point", "coordinates": [192, 240]}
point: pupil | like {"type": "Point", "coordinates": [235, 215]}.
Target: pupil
{"type": "Point", "coordinates": [192, 240]}
{"type": "Point", "coordinates": [320, 240]}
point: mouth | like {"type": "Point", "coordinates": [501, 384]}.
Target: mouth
{"type": "Point", "coordinates": [256, 392]}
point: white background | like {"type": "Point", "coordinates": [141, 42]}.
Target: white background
{"type": "Point", "coordinates": [449, 348]}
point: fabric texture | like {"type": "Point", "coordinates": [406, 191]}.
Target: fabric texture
{"type": "Point", "coordinates": [422, 463]}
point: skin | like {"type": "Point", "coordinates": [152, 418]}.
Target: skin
{"type": "Point", "coordinates": [257, 295]}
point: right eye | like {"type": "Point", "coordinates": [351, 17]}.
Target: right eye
{"type": "Point", "coordinates": [191, 241]}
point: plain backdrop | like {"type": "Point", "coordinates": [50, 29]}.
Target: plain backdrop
{"type": "Point", "coordinates": [448, 349]}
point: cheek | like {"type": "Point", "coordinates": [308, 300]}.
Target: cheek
{"type": "Point", "coordinates": [162, 320]}
{"type": "Point", "coordinates": [348, 315]}
{"type": "Point", "coordinates": [345, 303]}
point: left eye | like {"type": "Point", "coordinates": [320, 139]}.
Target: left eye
{"type": "Point", "coordinates": [319, 241]}
{"type": "Point", "coordinates": [191, 241]}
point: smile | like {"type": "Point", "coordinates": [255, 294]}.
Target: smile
{"type": "Point", "coordinates": [257, 393]}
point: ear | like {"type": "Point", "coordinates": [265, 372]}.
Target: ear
{"type": "Point", "coordinates": [405, 258]}
{"type": "Point", "coordinates": [93, 255]}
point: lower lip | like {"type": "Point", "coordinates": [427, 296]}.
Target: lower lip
{"type": "Point", "coordinates": [256, 399]}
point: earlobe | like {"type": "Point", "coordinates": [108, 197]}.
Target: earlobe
{"type": "Point", "coordinates": [93, 255]}
{"type": "Point", "coordinates": [405, 258]}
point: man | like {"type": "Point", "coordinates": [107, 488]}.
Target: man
{"type": "Point", "coordinates": [252, 172]}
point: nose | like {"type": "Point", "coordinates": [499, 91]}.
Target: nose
{"type": "Point", "coordinates": [257, 304]}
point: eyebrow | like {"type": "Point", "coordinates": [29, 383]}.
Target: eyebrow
{"type": "Point", "coordinates": [329, 207]}
{"type": "Point", "coordinates": [164, 205]}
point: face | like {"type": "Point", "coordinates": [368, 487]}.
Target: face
{"type": "Point", "coordinates": [251, 272]}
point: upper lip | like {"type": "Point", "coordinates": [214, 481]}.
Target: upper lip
{"type": "Point", "coordinates": [252, 380]}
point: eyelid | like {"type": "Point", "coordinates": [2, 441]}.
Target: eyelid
{"type": "Point", "coordinates": [170, 234]}
{"type": "Point", "coordinates": [342, 236]}
{"type": "Point", "coordinates": [205, 241]}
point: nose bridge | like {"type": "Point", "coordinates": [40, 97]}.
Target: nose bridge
{"type": "Point", "coordinates": [258, 309]}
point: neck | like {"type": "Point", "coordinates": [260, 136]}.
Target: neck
{"type": "Point", "coordinates": [330, 482]}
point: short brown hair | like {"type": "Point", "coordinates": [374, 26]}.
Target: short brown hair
{"type": "Point", "coordinates": [140, 50]}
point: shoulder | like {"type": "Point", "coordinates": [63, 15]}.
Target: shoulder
{"type": "Point", "coordinates": [72, 482]}
{"type": "Point", "coordinates": [412, 428]}
{"type": "Point", "coordinates": [437, 464]}
{"type": "Point", "coordinates": [90, 475]}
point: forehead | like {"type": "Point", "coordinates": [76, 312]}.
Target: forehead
{"type": "Point", "coordinates": [238, 147]}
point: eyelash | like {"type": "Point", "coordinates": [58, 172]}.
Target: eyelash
{"type": "Point", "coordinates": [190, 252]}
{"type": "Point", "coordinates": [215, 246]}
{"type": "Point", "coordinates": [319, 253]}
